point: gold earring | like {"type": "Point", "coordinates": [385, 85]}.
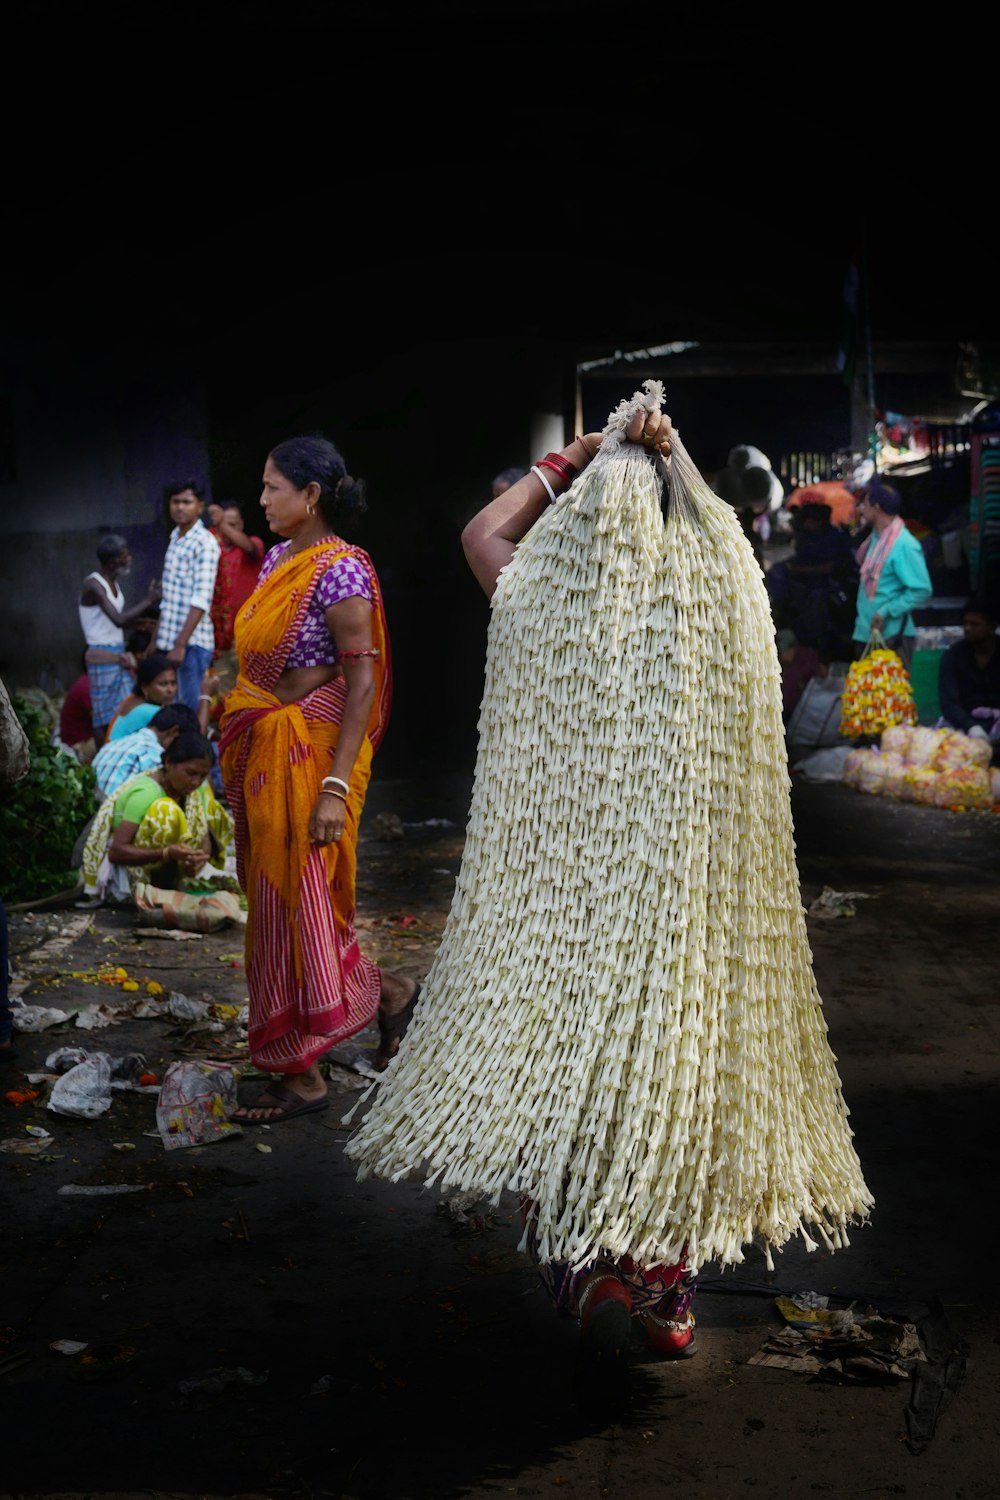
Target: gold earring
{"type": "Point", "coordinates": [310, 510]}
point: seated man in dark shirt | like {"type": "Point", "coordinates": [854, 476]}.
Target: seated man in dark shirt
{"type": "Point", "coordinates": [970, 675]}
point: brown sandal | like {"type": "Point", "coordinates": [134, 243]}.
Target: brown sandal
{"type": "Point", "coordinates": [285, 1104]}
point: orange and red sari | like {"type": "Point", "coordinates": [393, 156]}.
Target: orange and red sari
{"type": "Point", "coordinates": [310, 985]}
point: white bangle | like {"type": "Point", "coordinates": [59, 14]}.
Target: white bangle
{"type": "Point", "coordinates": [551, 492]}
{"type": "Point", "coordinates": [337, 781]}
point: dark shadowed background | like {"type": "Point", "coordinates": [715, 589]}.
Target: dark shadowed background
{"type": "Point", "coordinates": [406, 231]}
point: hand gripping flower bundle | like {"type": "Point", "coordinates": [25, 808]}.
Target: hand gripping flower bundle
{"type": "Point", "coordinates": [622, 1022]}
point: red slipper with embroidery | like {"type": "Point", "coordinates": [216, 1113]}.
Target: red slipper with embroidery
{"type": "Point", "coordinates": [670, 1337]}
{"type": "Point", "coordinates": [602, 1380]}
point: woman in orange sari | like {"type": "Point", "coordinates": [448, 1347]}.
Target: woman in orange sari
{"type": "Point", "coordinates": [309, 708]}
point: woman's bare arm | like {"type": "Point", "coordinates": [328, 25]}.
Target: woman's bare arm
{"type": "Point", "coordinates": [490, 538]}
{"type": "Point", "coordinates": [350, 624]}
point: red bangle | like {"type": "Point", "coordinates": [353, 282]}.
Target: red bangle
{"type": "Point", "coordinates": [543, 463]}
{"type": "Point", "coordinates": [559, 465]}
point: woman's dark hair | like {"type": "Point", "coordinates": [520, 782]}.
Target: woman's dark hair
{"type": "Point", "coordinates": [175, 716]}
{"type": "Point", "coordinates": [189, 745]}
{"type": "Point", "coordinates": [152, 666]}
{"type": "Point", "coordinates": [314, 460]}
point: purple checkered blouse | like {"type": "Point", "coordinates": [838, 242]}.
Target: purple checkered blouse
{"type": "Point", "coordinates": [345, 579]}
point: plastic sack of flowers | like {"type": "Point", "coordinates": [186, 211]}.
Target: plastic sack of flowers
{"type": "Point", "coordinates": [622, 1021]}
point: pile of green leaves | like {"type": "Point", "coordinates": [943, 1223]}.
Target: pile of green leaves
{"type": "Point", "coordinates": [42, 815]}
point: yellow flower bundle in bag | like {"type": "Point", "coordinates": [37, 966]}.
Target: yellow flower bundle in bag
{"type": "Point", "coordinates": [877, 693]}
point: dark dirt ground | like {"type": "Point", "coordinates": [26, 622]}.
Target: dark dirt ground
{"type": "Point", "coordinates": [444, 1371]}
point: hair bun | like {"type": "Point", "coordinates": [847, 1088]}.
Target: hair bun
{"type": "Point", "coordinates": [351, 499]}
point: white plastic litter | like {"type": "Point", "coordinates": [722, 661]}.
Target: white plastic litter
{"type": "Point", "coordinates": [37, 1017]}
{"type": "Point", "coordinates": [85, 1091]}
{"type": "Point", "coordinates": [107, 1190]}
{"type": "Point", "coordinates": [823, 765]}
{"type": "Point", "coordinates": [830, 903]}
{"type": "Point", "coordinates": [65, 1058]}
{"type": "Point", "coordinates": [181, 1008]}
{"type": "Point", "coordinates": [96, 1017]}
{"type": "Point", "coordinates": [214, 1382]}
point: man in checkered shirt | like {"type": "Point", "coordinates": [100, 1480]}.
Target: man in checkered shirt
{"type": "Point", "coordinates": [185, 630]}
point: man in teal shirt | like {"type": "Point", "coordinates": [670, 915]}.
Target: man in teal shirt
{"type": "Point", "coordinates": [894, 576]}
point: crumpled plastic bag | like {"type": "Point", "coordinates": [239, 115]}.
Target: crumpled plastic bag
{"type": "Point", "coordinates": [85, 1091]}
{"type": "Point", "coordinates": [831, 903]}
{"type": "Point", "coordinates": [214, 1382]}
{"type": "Point", "coordinates": [37, 1017]}
{"type": "Point", "coordinates": [125, 1069]}
{"type": "Point", "coordinates": [96, 1017]}
{"type": "Point", "coordinates": [182, 1008]}
{"type": "Point", "coordinates": [65, 1058]}
{"type": "Point", "coordinates": [195, 1101]}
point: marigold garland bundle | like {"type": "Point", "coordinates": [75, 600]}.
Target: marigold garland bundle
{"type": "Point", "coordinates": [622, 1021]}
{"type": "Point", "coordinates": [877, 695]}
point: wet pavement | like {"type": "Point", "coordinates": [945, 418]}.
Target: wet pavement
{"type": "Point", "coordinates": [377, 1343]}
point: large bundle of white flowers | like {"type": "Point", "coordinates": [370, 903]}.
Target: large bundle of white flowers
{"type": "Point", "coordinates": [622, 1021]}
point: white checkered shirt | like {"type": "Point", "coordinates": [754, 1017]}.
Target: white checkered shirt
{"type": "Point", "coordinates": [189, 570]}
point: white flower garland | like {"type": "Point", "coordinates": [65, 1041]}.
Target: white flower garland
{"type": "Point", "coordinates": [622, 1021]}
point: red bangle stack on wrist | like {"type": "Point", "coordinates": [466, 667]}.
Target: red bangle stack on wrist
{"type": "Point", "coordinates": [560, 465]}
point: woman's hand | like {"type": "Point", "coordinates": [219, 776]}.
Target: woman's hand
{"type": "Point", "coordinates": [652, 429]}
{"type": "Point", "coordinates": [582, 450]}
{"type": "Point", "coordinates": [185, 854]}
{"type": "Point", "coordinates": [328, 817]}
{"type": "Point", "coordinates": [210, 683]}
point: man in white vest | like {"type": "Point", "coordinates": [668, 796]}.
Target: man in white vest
{"type": "Point", "coordinates": [103, 618]}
